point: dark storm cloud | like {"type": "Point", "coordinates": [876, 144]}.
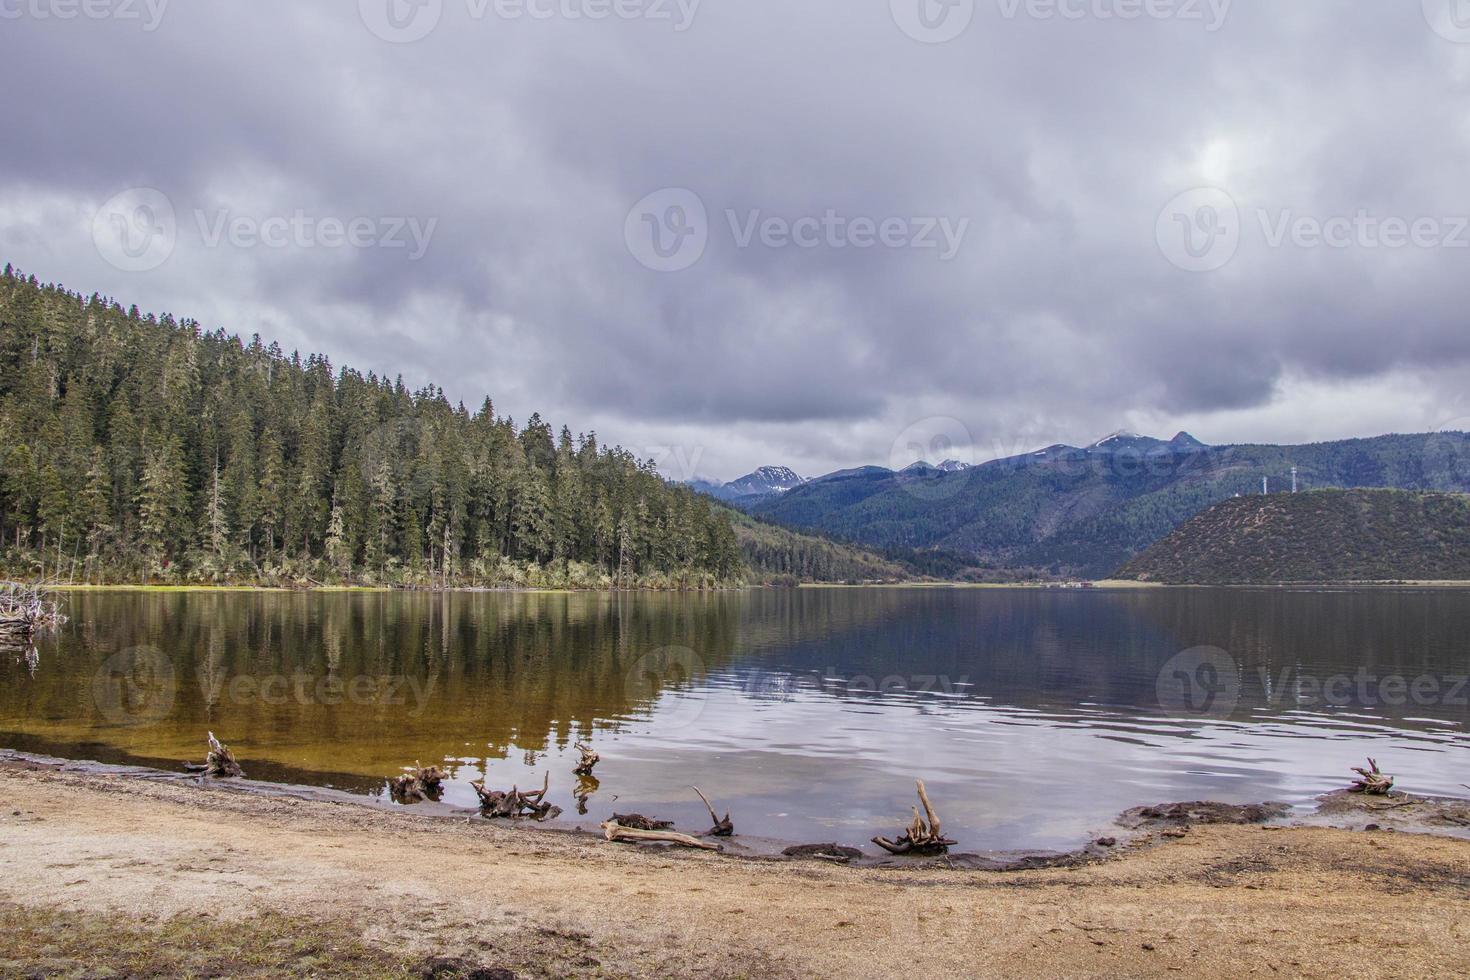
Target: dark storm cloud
{"type": "Point", "coordinates": [1054, 142]}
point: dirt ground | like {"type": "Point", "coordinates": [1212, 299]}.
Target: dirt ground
{"type": "Point", "coordinates": [111, 875]}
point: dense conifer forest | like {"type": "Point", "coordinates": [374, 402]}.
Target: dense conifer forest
{"type": "Point", "coordinates": [142, 448]}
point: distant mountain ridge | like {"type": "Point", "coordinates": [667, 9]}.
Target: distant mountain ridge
{"type": "Point", "coordinates": [1321, 536]}
{"type": "Point", "coordinates": [767, 481]}
{"type": "Point", "coordinates": [1084, 511]}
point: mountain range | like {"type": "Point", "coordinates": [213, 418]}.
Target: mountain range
{"type": "Point", "coordinates": [764, 483]}
{"type": "Point", "coordinates": [1085, 511]}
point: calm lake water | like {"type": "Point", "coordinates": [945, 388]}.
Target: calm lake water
{"type": "Point", "coordinates": [1034, 716]}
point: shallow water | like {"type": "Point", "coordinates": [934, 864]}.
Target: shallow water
{"type": "Point", "coordinates": [1033, 716]}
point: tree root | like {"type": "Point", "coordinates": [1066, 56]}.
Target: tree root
{"type": "Point", "coordinates": [1371, 780]}
{"type": "Point", "coordinates": [220, 763]}
{"type": "Point", "coordinates": [921, 837]}
{"type": "Point", "coordinates": [417, 784]}
{"type": "Point", "coordinates": [515, 805]}
{"type": "Point", "coordinates": [589, 761]}
{"type": "Point", "coordinates": [721, 828]}
{"type": "Point", "coordinates": [617, 832]}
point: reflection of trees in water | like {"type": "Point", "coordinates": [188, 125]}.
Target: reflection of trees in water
{"type": "Point", "coordinates": [490, 669]}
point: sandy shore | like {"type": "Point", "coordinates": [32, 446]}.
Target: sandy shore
{"type": "Point", "coordinates": [317, 887]}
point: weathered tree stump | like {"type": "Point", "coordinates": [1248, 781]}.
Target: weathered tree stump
{"type": "Point", "coordinates": [417, 784]}
{"type": "Point", "coordinates": [615, 831]}
{"type": "Point", "coordinates": [721, 828]}
{"type": "Point", "coordinates": [589, 761]}
{"type": "Point", "coordinates": [921, 837]}
{"type": "Point", "coordinates": [1371, 780]}
{"type": "Point", "coordinates": [516, 805]}
{"type": "Point", "coordinates": [220, 762]}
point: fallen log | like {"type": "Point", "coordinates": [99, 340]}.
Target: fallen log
{"type": "Point", "coordinates": [834, 852]}
{"type": "Point", "coordinates": [220, 762]}
{"type": "Point", "coordinates": [417, 784]}
{"type": "Point", "coordinates": [617, 832]}
{"type": "Point", "coordinates": [589, 761]}
{"type": "Point", "coordinates": [921, 837]}
{"type": "Point", "coordinates": [1372, 780]}
{"type": "Point", "coordinates": [25, 609]}
{"type": "Point", "coordinates": [721, 828]}
{"type": "Point", "coordinates": [515, 805]}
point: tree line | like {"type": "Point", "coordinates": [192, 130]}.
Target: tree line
{"type": "Point", "coordinates": [143, 448]}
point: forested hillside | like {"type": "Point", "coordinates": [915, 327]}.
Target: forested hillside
{"type": "Point", "coordinates": [1085, 511]}
{"type": "Point", "coordinates": [1325, 536]}
{"type": "Point", "coordinates": [138, 448]}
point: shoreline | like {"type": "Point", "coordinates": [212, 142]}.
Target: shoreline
{"type": "Point", "coordinates": [129, 860]}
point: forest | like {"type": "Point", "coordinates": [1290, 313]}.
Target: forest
{"type": "Point", "coordinates": [141, 448]}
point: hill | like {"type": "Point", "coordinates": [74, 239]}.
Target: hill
{"type": "Point", "coordinates": [1084, 511]}
{"type": "Point", "coordinates": [778, 554]}
{"type": "Point", "coordinates": [1323, 536]}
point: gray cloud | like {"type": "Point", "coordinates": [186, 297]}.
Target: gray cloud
{"type": "Point", "coordinates": [1059, 141]}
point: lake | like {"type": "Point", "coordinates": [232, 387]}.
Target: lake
{"type": "Point", "coordinates": [1034, 716]}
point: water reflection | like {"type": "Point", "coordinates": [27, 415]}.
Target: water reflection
{"type": "Point", "coordinates": [1032, 715]}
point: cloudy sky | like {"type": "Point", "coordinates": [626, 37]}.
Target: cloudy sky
{"type": "Point", "coordinates": [736, 232]}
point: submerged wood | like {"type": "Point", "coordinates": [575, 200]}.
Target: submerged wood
{"type": "Point", "coordinates": [637, 821]}
{"type": "Point", "coordinates": [923, 836]}
{"type": "Point", "coordinates": [722, 827]}
{"type": "Point", "coordinates": [418, 784]}
{"type": "Point", "coordinates": [1372, 780]}
{"type": "Point", "coordinates": [220, 763]}
{"type": "Point", "coordinates": [515, 805]}
{"type": "Point", "coordinates": [617, 832]}
{"type": "Point", "coordinates": [589, 761]}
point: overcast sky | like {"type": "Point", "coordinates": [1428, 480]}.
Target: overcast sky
{"type": "Point", "coordinates": [817, 234]}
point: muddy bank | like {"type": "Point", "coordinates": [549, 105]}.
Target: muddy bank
{"type": "Point", "coordinates": [1203, 898]}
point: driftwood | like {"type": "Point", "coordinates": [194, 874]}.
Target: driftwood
{"type": "Point", "coordinates": [24, 609]}
{"type": "Point", "coordinates": [1371, 780]}
{"type": "Point", "coordinates": [617, 832]}
{"type": "Point", "coordinates": [722, 828]}
{"type": "Point", "coordinates": [417, 784]}
{"type": "Point", "coordinates": [220, 762]}
{"type": "Point", "coordinates": [823, 852]}
{"type": "Point", "coordinates": [921, 837]}
{"type": "Point", "coordinates": [589, 761]}
{"type": "Point", "coordinates": [515, 805]}
{"type": "Point", "coordinates": [637, 821]}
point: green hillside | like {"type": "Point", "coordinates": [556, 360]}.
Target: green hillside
{"type": "Point", "coordinates": [1322, 536]}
